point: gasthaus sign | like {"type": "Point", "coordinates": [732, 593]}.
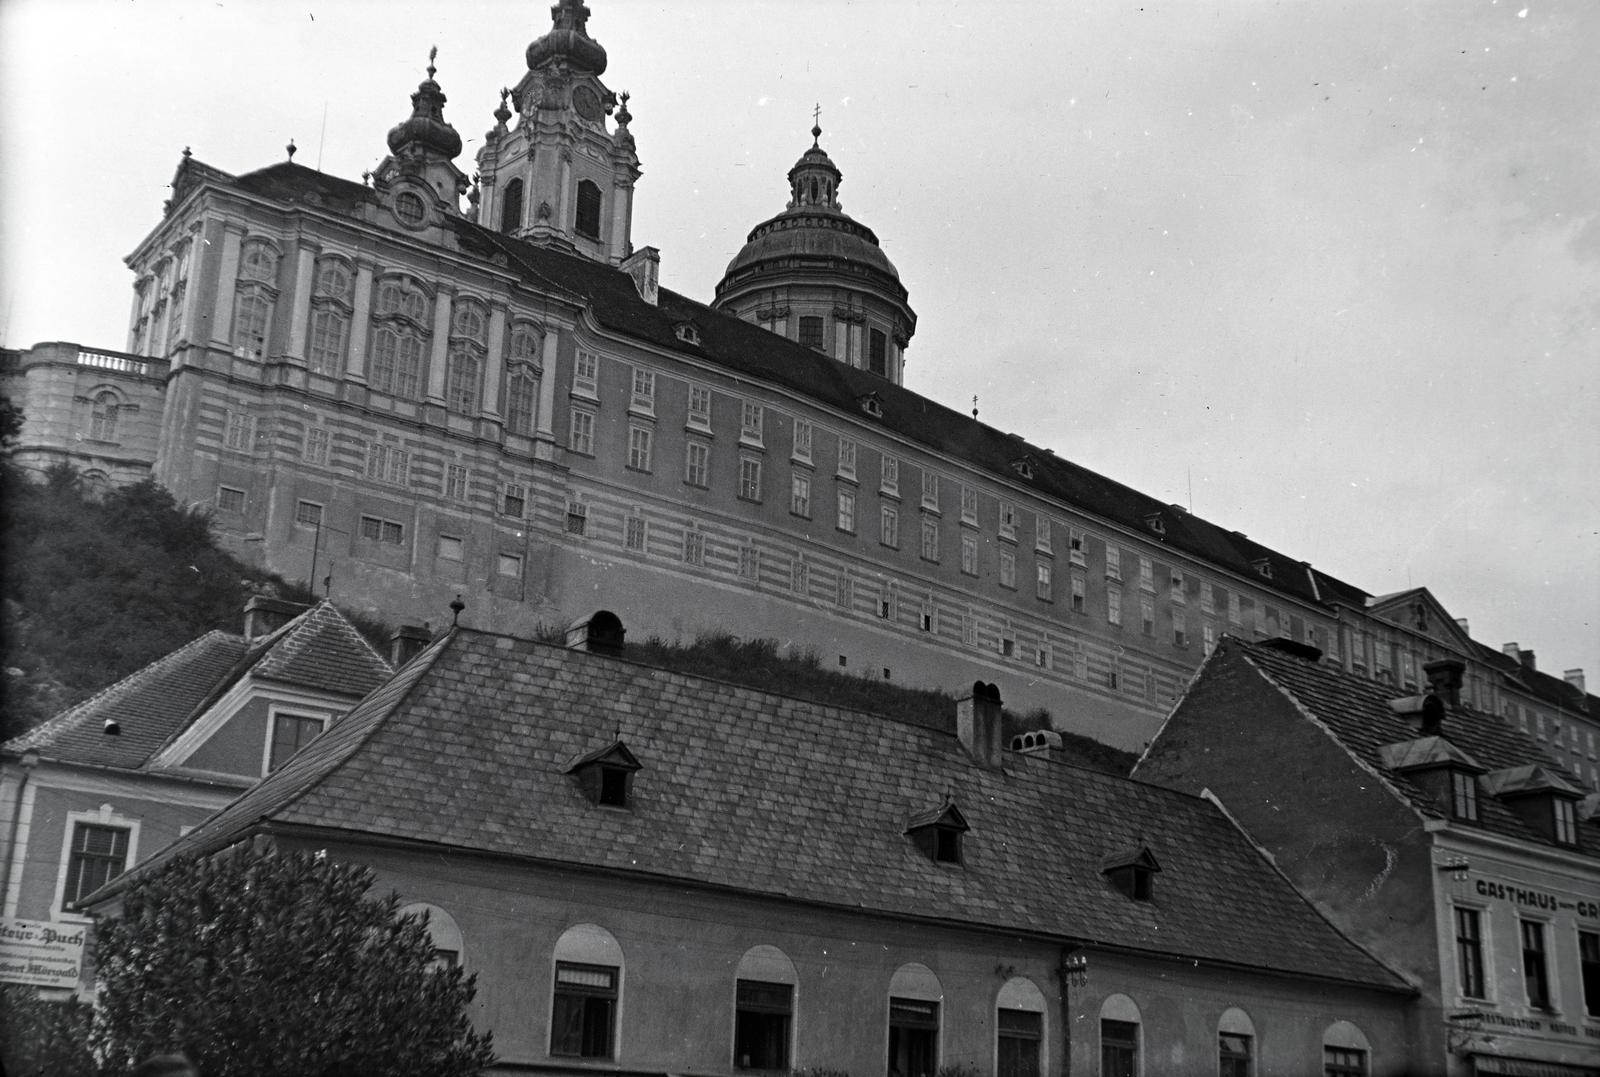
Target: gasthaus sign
{"type": "Point", "coordinates": [41, 953]}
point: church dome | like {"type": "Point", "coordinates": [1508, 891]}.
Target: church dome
{"type": "Point", "coordinates": [426, 127]}
{"type": "Point", "coordinates": [569, 38]}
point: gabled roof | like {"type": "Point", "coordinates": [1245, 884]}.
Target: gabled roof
{"type": "Point", "coordinates": [1131, 857]}
{"type": "Point", "coordinates": [467, 748]}
{"type": "Point", "coordinates": [1426, 752]}
{"type": "Point", "coordinates": [1527, 780]}
{"type": "Point", "coordinates": [615, 754]}
{"type": "Point", "coordinates": [751, 351]}
{"type": "Point", "coordinates": [1418, 610]}
{"type": "Point", "coordinates": [1553, 690]}
{"type": "Point", "coordinates": [946, 814]}
{"type": "Point", "coordinates": [319, 650]}
{"type": "Point", "coordinates": [1356, 711]}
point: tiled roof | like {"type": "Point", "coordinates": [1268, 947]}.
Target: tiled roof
{"type": "Point", "coordinates": [1553, 690]}
{"type": "Point", "coordinates": [468, 747]}
{"type": "Point", "coordinates": [319, 650]}
{"type": "Point", "coordinates": [1356, 710]}
{"type": "Point", "coordinates": [747, 349]}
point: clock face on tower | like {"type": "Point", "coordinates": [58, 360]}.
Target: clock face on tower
{"type": "Point", "coordinates": [587, 103]}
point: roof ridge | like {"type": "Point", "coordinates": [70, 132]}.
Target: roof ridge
{"type": "Point", "coordinates": [65, 719]}
{"type": "Point", "coordinates": [297, 634]}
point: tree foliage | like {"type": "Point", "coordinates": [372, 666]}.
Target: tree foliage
{"type": "Point", "coordinates": [271, 964]}
{"type": "Point", "coordinates": [39, 1036]}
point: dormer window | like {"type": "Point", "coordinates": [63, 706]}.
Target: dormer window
{"type": "Point", "coordinates": [871, 404]}
{"type": "Point", "coordinates": [1157, 525]}
{"type": "Point", "coordinates": [1464, 796]}
{"type": "Point", "coordinates": [606, 775]}
{"type": "Point", "coordinates": [687, 332]}
{"type": "Point", "coordinates": [1133, 872]}
{"type": "Point", "coordinates": [1544, 800]}
{"type": "Point", "coordinates": [1023, 467]}
{"type": "Point", "coordinates": [1566, 820]}
{"type": "Point", "coordinates": [938, 832]}
{"type": "Point", "coordinates": [1263, 567]}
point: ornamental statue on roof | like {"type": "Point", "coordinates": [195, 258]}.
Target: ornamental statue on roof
{"type": "Point", "coordinates": [422, 153]}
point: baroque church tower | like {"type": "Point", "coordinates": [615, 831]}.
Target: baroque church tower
{"type": "Point", "coordinates": [559, 176]}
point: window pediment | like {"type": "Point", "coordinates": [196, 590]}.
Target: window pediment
{"type": "Point", "coordinates": [1132, 871]}
{"type": "Point", "coordinates": [938, 832]}
{"type": "Point", "coordinates": [606, 774]}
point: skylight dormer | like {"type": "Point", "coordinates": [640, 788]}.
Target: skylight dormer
{"type": "Point", "coordinates": [872, 404]}
{"type": "Point", "coordinates": [1443, 771]}
{"type": "Point", "coordinates": [938, 833]}
{"type": "Point", "coordinates": [606, 775]}
{"type": "Point", "coordinates": [1132, 871]}
{"type": "Point", "coordinates": [1544, 800]}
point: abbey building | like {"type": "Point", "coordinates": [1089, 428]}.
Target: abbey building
{"type": "Point", "coordinates": [424, 383]}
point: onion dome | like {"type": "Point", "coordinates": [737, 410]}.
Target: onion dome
{"type": "Point", "coordinates": [569, 39]}
{"type": "Point", "coordinates": [426, 127]}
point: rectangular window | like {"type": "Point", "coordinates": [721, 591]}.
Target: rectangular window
{"type": "Point", "coordinates": [889, 526]}
{"type": "Point", "coordinates": [585, 374]}
{"type": "Point", "coordinates": [1234, 1056]}
{"type": "Point", "coordinates": [1113, 606]}
{"type": "Point", "coordinates": [509, 565]}
{"type": "Point", "coordinates": [1469, 952]}
{"type": "Point", "coordinates": [450, 548]}
{"type": "Point", "coordinates": [694, 547]}
{"type": "Point", "coordinates": [1147, 575]}
{"type": "Point", "coordinates": [800, 495]}
{"type": "Point", "coordinates": [1180, 629]}
{"type": "Point", "coordinates": [99, 854]}
{"type": "Point", "coordinates": [1080, 600]}
{"type": "Point", "coordinates": [969, 628]}
{"type": "Point", "coordinates": [749, 562]}
{"type": "Point", "coordinates": [317, 446]}
{"type": "Point", "coordinates": [750, 421]}
{"type": "Point", "coordinates": [930, 539]}
{"type": "Point", "coordinates": [811, 332]}
{"type": "Point", "coordinates": [799, 576]}
{"type": "Point", "coordinates": [1566, 821]}
{"type": "Point", "coordinates": [1021, 1032]}
{"type": "Point", "coordinates": [847, 511]}
{"type": "Point", "coordinates": [1042, 584]}
{"type": "Point", "coordinates": [1180, 593]}
{"type": "Point", "coordinates": [577, 517]}
{"type": "Point", "coordinates": [1535, 973]}
{"type": "Point", "coordinates": [843, 590]}
{"type": "Point", "coordinates": [385, 531]}
{"type": "Point", "coordinates": [761, 1025]}
{"type": "Point", "coordinates": [1075, 552]}
{"type": "Point", "coordinates": [1208, 597]}
{"type": "Point", "coordinates": [847, 458]}
{"type": "Point", "coordinates": [697, 464]}
{"type": "Point", "coordinates": [1589, 964]}
{"type": "Point", "coordinates": [1343, 1062]}
{"type": "Point", "coordinates": [583, 1011]}
{"type": "Point", "coordinates": [386, 463]}
{"type": "Point", "coordinates": [1113, 562]}
{"type": "Point", "coordinates": [1043, 656]}
{"type": "Point", "coordinates": [229, 499]}
{"type": "Point", "coordinates": [1008, 569]}
{"type": "Point", "coordinates": [890, 475]}
{"type": "Point", "coordinates": [1041, 534]}
{"type": "Point", "coordinates": [802, 441]}
{"type": "Point", "coordinates": [515, 502]}
{"type": "Point", "coordinates": [455, 482]}
{"type": "Point", "coordinates": [308, 514]}
{"type": "Point", "coordinates": [240, 433]}
{"type": "Point", "coordinates": [1210, 636]}
{"type": "Point", "coordinates": [1234, 614]}
{"type": "Point", "coordinates": [639, 448]}
{"type": "Point", "coordinates": [886, 604]}
{"type": "Point", "coordinates": [644, 391]}
{"type": "Point", "coordinates": [930, 491]}
{"type": "Point", "coordinates": [699, 407]}
{"type": "Point", "coordinates": [1008, 520]}
{"type": "Point", "coordinates": [633, 534]}
{"type": "Point", "coordinates": [969, 506]}
{"type": "Point", "coordinates": [750, 478]}
{"type": "Point", "coordinates": [1119, 1049]}
{"type": "Point", "coordinates": [1464, 795]}
{"type": "Point", "coordinates": [878, 352]}
{"type": "Point", "coordinates": [290, 733]}
{"type": "Point", "coordinates": [582, 440]}
{"type": "Point", "coordinates": [913, 1038]}
{"type": "Point", "coordinates": [1147, 615]}
{"type": "Point", "coordinates": [969, 553]}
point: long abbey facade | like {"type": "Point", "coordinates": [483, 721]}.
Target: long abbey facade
{"type": "Point", "coordinates": [424, 384]}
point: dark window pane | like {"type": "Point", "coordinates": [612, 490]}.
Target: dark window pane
{"type": "Point", "coordinates": [877, 351]}
{"type": "Point", "coordinates": [588, 222]}
{"type": "Point", "coordinates": [1589, 958]}
{"type": "Point", "coordinates": [1233, 1055]}
{"type": "Point", "coordinates": [811, 332]}
{"type": "Point", "coordinates": [1119, 1049]}
{"type": "Point", "coordinates": [99, 854]}
{"type": "Point", "coordinates": [1020, 1033]}
{"type": "Point", "coordinates": [1343, 1062]}
{"type": "Point", "coordinates": [511, 207]}
{"type": "Point", "coordinates": [614, 787]}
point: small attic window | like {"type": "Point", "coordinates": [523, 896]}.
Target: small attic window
{"type": "Point", "coordinates": [606, 775]}
{"type": "Point", "coordinates": [687, 332]}
{"type": "Point", "coordinates": [1023, 467]}
{"type": "Point", "coordinates": [938, 833]}
{"type": "Point", "coordinates": [871, 405]}
{"type": "Point", "coordinates": [1263, 567]}
{"type": "Point", "coordinates": [1155, 523]}
{"type": "Point", "coordinates": [409, 208]}
{"type": "Point", "coordinates": [1132, 872]}
{"type": "Point", "coordinates": [1566, 820]}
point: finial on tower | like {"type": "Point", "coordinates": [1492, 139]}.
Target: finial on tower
{"type": "Point", "coordinates": [433, 54]}
{"type": "Point", "coordinates": [624, 117]}
{"type": "Point", "coordinates": [503, 114]}
{"type": "Point", "coordinates": [816, 126]}
{"type": "Point", "coordinates": [974, 407]}
{"type": "Point", "coordinates": [291, 148]}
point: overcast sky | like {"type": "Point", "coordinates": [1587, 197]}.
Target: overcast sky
{"type": "Point", "coordinates": [1331, 270]}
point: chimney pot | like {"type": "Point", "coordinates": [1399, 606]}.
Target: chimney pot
{"type": "Point", "coordinates": [264, 616]}
{"type": "Point", "coordinates": [1510, 650]}
{"type": "Point", "coordinates": [1461, 622]}
{"type": "Point", "coordinates": [1527, 661]}
{"type": "Point", "coordinates": [599, 633]}
{"type": "Point", "coordinates": [978, 724]}
{"type": "Point", "coordinates": [406, 643]}
{"type": "Point", "coordinates": [1444, 679]}
{"type": "Point", "coordinates": [644, 266]}
{"type": "Point", "coordinates": [1574, 677]}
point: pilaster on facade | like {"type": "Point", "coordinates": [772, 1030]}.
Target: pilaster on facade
{"type": "Point", "coordinates": [304, 284]}
{"type": "Point", "coordinates": [227, 275]}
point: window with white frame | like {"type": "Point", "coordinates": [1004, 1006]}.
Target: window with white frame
{"type": "Point", "coordinates": [633, 534]}
{"type": "Point", "coordinates": [240, 432]}
{"type": "Point", "coordinates": [847, 458]}
{"type": "Point", "coordinates": [1043, 655]}
{"type": "Point", "coordinates": [969, 628]}
{"type": "Point", "coordinates": [1080, 600]}
{"type": "Point", "coordinates": [802, 441]}
{"type": "Point", "coordinates": [1042, 583]}
{"type": "Point", "coordinates": [889, 526]}
{"type": "Point", "coordinates": [1208, 597]}
{"type": "Point", "coordinates": [751, 417]}
{"type": "Point", "coordinates": [1114, 605]}
{"type": "Point", "coordinates": [930, 490]}
{"type": "Point", "coordinates": [388, 463]}
{"type": "Point", "coordinates": [515, 500]}
{"type": "Point", "coordinates": [582, 439]}
{"type": "Point", "coordinates": [639, 438]}
{"type": "Point", "coordinates": [230, 499]}
{"type": "Point", "coordinates": [1147, 615]}
{"type": "Point", "coordinates": [889, 473]}
{"type": "Point", "coordinates": [455, 482]}
{"type": "Point", "coordinates": [699, 407]}
{"type": "Point", "coordinates": [697, 463]}
{"type": "Point", "coordinates": [317, 442]}
{"type": "Point", "coordinates": [1008, 569]}
{"type": "Point", "coordinates": [98, 847]}
{"type": "Point", "coordinates": [847, 510]}
{"type": "Point", "coordinates": [1180, 629]}
{"type": "Point", "coordinates": [388, 532]}
{"type": "Point", "coordinates": [749, 561]}
{"type": "Point", "coordinates": [644, 391]}
{"type": "Point", "coordinates": [1235, 614]}
{"type": "Point", "coordinates": [799, 576]}
{"type": "Point", "coordinates": [750, 478]}
{"type": "Point", "coordinates": [1180, 592]}
{"type": "Point", "coordinates": [800, 494]}
{"type": "Point", "coordinates": [1147, 575]}
{"type": "Point", "coordinates": [930, 539]}
{"type": "Point", "coordinates": [396, 365]}
{"type": "Point", "coordinates": [307, 514]}
{"type": "Point", "coordinates": [694, 546]}
{"type": "Point", "coordinates": [969, 553]}
{"type": "Point", "coordinates": [1041, 534]}
{"type": "Point", "coordinates": [586, 374]}
{"type": "Point", "coordinates": [1075, 551]}
{"type": "Point", "coordinates": [1113, 562]}
{"type": "Point", "coordinates": [577, 517]}
{"type": "Point", "coordinates": [290, 733]}
{"type": "Point", "coordinates": [1008, 520]}
{"type": "Point", "coordinates": [969, 506]}
{"type": "Point", "coordinates": [843, 589]}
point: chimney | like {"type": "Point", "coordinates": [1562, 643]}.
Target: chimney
{"type": "Point", "coordinates": [406, 643]}
{"type": "Point", "coordinates": [1428, 711]}
{"type": "Point", "coordinates": [1574, 677]}
{"type": "Point", "coordinates": [1045, 742]}
{"type": "Point", "coordinates": [644, 266]}
{"type": "Point", "coordinates": [264, 616]}
{"type": "Point", "coordinates": [1461, 623]}
{"type": "Point", "coordinates": [1527, 662]}
{"type": "Point", "coordinates": [599, 633]}
{"type": "Point", "coordinates": [1444, 679]}
{"type": "Point", "coordinates": [978, 724]}
{"type": "Point", "coordinates": [1510, 651]}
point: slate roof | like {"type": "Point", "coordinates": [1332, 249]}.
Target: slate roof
{"type": "Point", "coordinates": [467, 747]}
{"type": "Point", "coordinates": [318, 650]}
{"type": "Point", "coordinates": [1356, 711]}
{"type": "Point", "coordinates": [746, 349]}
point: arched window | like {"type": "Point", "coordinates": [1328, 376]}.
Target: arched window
{"type": "Point", "coordinates": [461, 386]}
{"type": "Point", "coordinates": [1019, 1025]}
{"type": "Point", "coordinates": [764, 987]}
{"type": "Point", "coordinates": [1119, 1037]}
{"type": "Point", "coordinates": [396, 362]}
{"type": "Point", "coordinates": [1345, 1051]}
{"type": "Point", "coordinates": [250, 321]}
{"type": "Point", "coordinates": [442, 929]}
{"type": "Point", "coordinates": [259, 262]}
{"type": "Point", "coordinates": [511, 207]}
{"type": "Point", "coordinates": [327, 342]}
{"type": "Point", "coordinates": [103, 416]}
{"type": "Point", "coordinates": [587, 996]}
{"type": "Point", "coordinates": [468, 322]}
{"type": "Point", "coordinates": [1236, 1044]}
{"type": "Point", "coordinates": [525, 344]}
{"type": "Point", "coordinates": [402, 298]}
{"type": "Point", "coordinates": [522, 395]}
{"type": "Point", "coordinates": [588, 220]}
{"type": "Point", "coordinates": [915, 998]}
